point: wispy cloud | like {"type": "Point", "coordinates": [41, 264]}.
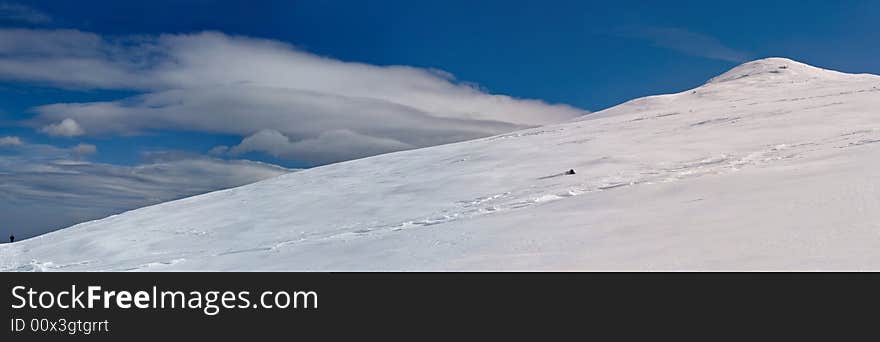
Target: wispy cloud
{"type": "Point", "coordinates": [85, 149]}
{"type": "Point", "coordinates": [687, 42]}
{"type": "Point", "coordinates": [327, 147]}
{"type": "Point", "coordinates": [10, 141]}
{"type": "Point", "coordinates": [22, 13]}
{"type": "Point", "coordinates": [65, 128]}
{"type": "Point", "coordinates": [278, 99]}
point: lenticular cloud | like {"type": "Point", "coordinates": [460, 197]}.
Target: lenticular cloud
{"type": "Point", "coordinates": [212, 82]}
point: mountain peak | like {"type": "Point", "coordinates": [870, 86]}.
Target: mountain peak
{"type": "Point", "coordinates": [774, 69]}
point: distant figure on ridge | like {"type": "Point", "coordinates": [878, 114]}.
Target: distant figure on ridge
{"type": "Point", "coordinates": [11, 238]}
{"type": "Point", "coordinates": [570, 172]}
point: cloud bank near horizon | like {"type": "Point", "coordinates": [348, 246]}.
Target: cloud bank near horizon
{"type": "Point", "coordinates": [45, 187]}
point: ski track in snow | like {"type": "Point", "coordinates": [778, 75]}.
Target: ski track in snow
{"type": "Point", "coordinates": [499, 203]}
{"type": "Point", "coordinates": [510, 200]}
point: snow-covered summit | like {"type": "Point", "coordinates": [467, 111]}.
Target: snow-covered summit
{"type": "Point", "coordinates": [763, 168]}
{"type": "Point", "coordinates": [777, 69]}
{"type": "Point", "coordinates": [769, 79]}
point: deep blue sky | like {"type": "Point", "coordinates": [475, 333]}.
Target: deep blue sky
{"type": "Point", "coordinates": [560, 51]}
{"type": "Point", "coordinates": [586, 54]}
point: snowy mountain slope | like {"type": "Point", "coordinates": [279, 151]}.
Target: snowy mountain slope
{"type": "Point", "coordinates": [771, 165]}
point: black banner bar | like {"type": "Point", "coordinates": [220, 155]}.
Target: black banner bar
{"type": "Point", "coordinates": [334, 305]}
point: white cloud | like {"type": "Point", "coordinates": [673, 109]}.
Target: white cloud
{"type": "Point", "coordinates": [85, 149]}
{"type": "Point", "coordinates": [65, 128]}
{"type": "Point", "coordinates": [10, 141]}
{"type": "Point", "coordinates": [218, 150]}
{"type": "Point", "coordinates": [211, 82]}
{"type": "Point", "coordinates": [323, 149]}
{"type": "Point", "coordinates": [16, 12]}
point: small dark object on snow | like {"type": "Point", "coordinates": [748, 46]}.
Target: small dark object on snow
{"type": "Point", "coordinates": [11, 238]}
{"type": "Point", "coordinates": [570, 172]}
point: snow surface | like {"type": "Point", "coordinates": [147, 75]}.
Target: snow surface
{"type": "Point", "coordinates": [770, 166]}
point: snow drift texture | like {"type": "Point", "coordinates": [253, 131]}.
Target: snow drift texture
{"type": "Point", "coordinates": [772, 165]}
